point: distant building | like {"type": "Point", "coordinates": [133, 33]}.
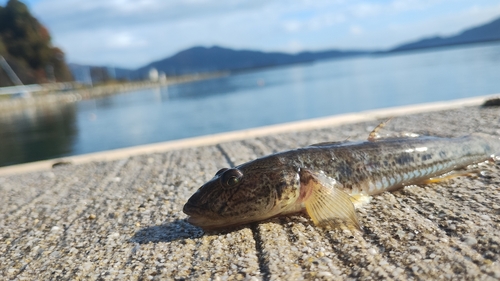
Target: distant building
{"type": "Point", "coordinates": [153, 75]}
{"type": "Point", "coordinates": [163, 77]}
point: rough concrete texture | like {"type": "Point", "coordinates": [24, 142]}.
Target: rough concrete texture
{"type": "Point", "coordinates": [122, 220]}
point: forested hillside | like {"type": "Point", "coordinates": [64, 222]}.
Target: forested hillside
{"type": "Point", "coordinates": [26, 46]}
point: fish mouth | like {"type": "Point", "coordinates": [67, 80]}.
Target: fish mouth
{"type": "Point", "coordinates": [196, 216]}
{"type": "Point", "coordinates": [204, 222]}
{"type": "Point", "coordinates": [190, 209]}
{"type": "Point", "coordinates": [197, 221]}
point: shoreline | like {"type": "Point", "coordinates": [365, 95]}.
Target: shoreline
{"type": "Point", "coordinates": [309, 124]}
{"type": "Point", "coordinates": [56, 94]}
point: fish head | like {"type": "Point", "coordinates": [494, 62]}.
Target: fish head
{"type": "Point", "coordinates": [247, 193]}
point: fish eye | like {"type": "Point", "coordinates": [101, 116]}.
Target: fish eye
{"type": "Point", "coordinates": [231, 177]}
{"type": "Point", "coordinates": [221, 171]}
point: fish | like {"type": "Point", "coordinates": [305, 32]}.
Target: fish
{"type": "Point", "coordinates": [329, 180]}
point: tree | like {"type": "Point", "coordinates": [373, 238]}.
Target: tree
{"type": "Point", "coordinates": [25, 39]}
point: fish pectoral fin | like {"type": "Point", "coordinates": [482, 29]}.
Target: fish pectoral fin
{"type": "Point", "coordinates": [360, 199]}
{"type": "Point", "coordinates": [325, 202]}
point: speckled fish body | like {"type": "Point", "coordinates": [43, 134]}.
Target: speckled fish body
{"type": "Point", "coordinates": [377, 166]}
{"type": "Point", "coordinates": [325, 179]}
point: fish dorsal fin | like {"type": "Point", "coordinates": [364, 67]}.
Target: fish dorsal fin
{"type": "Point", "coordinates": [374, 135]}
{"type": "Point", "coordinates": [325, 202]}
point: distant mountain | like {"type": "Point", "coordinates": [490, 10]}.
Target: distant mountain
{"type": "Point", "coordinates": [483, 33]}
{"type": "Point", "coordinates": [202, 59]}
{"type": "Point", "coordinates": [212, 59]}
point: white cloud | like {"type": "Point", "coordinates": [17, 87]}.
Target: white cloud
{"type": "Point", "coordinates": [124, 40]}
{"type": "Point", "coordinates": [356, 29]}
{"type": "Point", "coordinates": [449, 24]}
{"type": "Point", "coordinates": [365, 10]}
{"type": "Point", "coordinates": [409, 5]}
{"type": "Point", "coordinates": [292, 25]}
{"type": "Point", "coordinates": [325, 20]}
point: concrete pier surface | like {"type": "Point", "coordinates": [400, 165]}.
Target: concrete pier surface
{"type": "Point", "coordinates": [120, 217]}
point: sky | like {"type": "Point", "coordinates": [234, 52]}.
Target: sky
{"type": "Point", "coordinates": [133, 33]}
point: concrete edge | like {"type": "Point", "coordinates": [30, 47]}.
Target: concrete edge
{"type": "Point", "coordinates": [309, 124]}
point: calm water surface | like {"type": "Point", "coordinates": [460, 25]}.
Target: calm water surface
{"type": "Point", "coordinates": [249, 100]}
